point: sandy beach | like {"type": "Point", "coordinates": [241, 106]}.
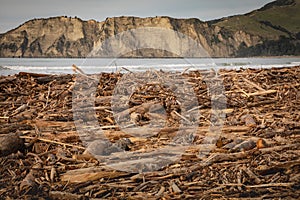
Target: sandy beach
{"type": "Point", "coordinates": [256, 154]}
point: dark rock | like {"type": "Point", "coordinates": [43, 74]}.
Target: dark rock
{"type": "Point", "coordinates": [10, 143]}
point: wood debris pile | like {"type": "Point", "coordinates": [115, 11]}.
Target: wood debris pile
{"type": "Point", "coordinates": [44, 155]}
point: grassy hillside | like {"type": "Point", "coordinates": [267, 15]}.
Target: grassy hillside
{"type": "Point", "coordinates": [278, 18]}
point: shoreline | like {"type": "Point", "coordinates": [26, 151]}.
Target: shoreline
{"type": "Point", "coordinates": [90, 66]}
{"type": "Point", "coordinates": [285, 56]}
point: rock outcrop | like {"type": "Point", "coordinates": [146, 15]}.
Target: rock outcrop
{"type": "Point", "coordinates": [252, 34]}
{"type": "Point", "coordinates": [53, 37]}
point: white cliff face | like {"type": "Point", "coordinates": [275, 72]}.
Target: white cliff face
{"type": "Point", "coordinates": [43, 37]}
{"type": "Point", "coordinates": [72, 37]}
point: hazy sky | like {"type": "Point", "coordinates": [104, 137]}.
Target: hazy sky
{"type": "Point", "coordinates": [15, 12]}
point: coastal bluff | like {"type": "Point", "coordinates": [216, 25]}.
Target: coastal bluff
{"type": "Point", "coordinates": [257, 33]}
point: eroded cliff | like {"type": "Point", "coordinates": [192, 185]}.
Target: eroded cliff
{"type": "Point", "coordinates": [252, 34]}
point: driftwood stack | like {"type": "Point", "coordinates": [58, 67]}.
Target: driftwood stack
{"type": "Point", "coordinates": [257, 154]}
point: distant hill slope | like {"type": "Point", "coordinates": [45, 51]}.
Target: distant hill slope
{"type": "Point", "coordinates": [277, 24]}
{"type": "Point", "coordinates": [272, 30]}
{"type": "Point", "coordinates": [279, 18]}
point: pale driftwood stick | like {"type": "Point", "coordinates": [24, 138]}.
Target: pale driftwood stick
{"type": "Point", "coordinates": [175, 188]}
{"type": "Point", "coordinates": [260, 93]}
{"type": "Point", "coordinates": [109, 119]}
{"type": "Point", "coordinates": [90, 174]}
{"type": "Point", "coordinates": [196, 108]}
{"type": "Point", "coordinates": [146, 96]}
{"type": "Point", "coordinates": [160, 192]}
{"type": "Point", "coordinates": [109, 127]}
{"type": "Point", "coordinates": [182, 117]}
{"type": "Point", "coordinates": [47, 98]}
{"type": "Point", "coordinates": [85, 108]}
{"type": "Point", "coordinates": [77, 69]}
{"type": "Point", "coordinates": [118, 185]}
{"type": "Point", "coordinates": [185, 70]}
{"type": "Point", "coordinates": [156, 72]}
{"type": "Point", "coordinates": [127, 69]}
{"type": "Point", "coordinates": [4, 117]}
{"type": "Point", "coordinates": [241, 90]}
{"type": "Point", "coordinates": [261, 185]}
{"type": "Point", "coordinates": [270, 185]}
{"type": "Point", "coordinates": [102, 108]}
{"type": "Point", "coordinates": [19, 109]}
{"type": "Point", "coordinates": [52, 141]}
{"type": "Point", "coordinates": [278, 148]}
{"type": "Point", "coordinates": [253, 84]}
{"type": "Point", "coordinates": [220, 157]}
{"type": "Point", "coordinates": [169, 130]}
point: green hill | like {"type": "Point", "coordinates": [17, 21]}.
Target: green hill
{"type": "Point", "coordinates": [278, 18]}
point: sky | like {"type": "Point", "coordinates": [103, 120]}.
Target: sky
{"type": "Point", "coordinates": [15, 12]}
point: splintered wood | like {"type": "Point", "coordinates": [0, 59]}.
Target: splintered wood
{"type": "Point", "coordinates": [48, 150]}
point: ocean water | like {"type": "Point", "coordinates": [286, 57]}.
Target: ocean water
{"type": "Point", "coordinates": [9, 66]}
